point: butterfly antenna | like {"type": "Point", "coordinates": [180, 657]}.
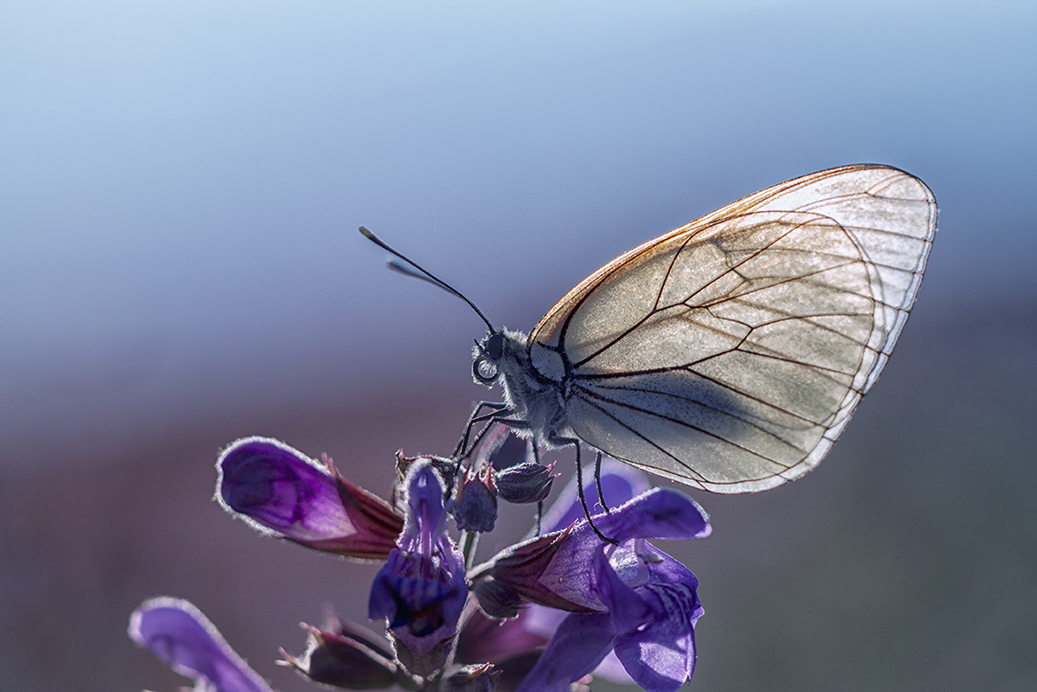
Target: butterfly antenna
{"type": "Point", "coordinates": [419, 272]}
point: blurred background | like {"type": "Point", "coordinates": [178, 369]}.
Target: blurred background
{"type": "Point", "coordinates": [180, 186]}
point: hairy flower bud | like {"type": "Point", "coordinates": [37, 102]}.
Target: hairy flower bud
{"type": "Point", "coordinates": [345, 655]}
{"type": "Point", "coordinates": [525, 483]}
{"type": "Point", "coordinates": [476, 506]}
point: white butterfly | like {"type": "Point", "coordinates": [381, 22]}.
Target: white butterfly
{"type": "Point", "coordinates": [730, 353]}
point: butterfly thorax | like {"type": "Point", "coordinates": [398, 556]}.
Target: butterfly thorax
{"type": "Point", "coordinates": [503, 358]}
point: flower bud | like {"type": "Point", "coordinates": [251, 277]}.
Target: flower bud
{"type": "Point", "coordinates": [524, 483]}
{"type": "Point", "coordinates": [348, 658]}
{"type": "Point", "coordinates": [496, 599]}
{"type": "Point", "coordinates": [476, 506]}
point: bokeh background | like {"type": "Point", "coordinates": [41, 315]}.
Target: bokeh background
{"type": "Point", "coordinates": [180, 184]}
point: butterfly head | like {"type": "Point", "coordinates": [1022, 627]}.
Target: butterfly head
{"type": "Point", "coordinates": [486, 358]}
{"type": "Point", "coordinates": [499, 354]}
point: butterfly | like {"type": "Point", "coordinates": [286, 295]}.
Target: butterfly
{"type": "Point", "coordinates": [730, 353]}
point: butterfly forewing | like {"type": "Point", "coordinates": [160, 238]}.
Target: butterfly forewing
{"type": "Point", "coordinates": [729, 353]}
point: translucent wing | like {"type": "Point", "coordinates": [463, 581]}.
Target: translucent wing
{"type": "Point", "coordinates": [730, 353]}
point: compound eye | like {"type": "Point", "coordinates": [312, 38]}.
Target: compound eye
{"type": "Point", "coordinates": [485, 370]}
{"type": "Point", "coordinates": [494, 346]}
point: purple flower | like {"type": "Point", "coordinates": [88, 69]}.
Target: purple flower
{"type": "Point", "coordinates": [653, 611]}
{"type": "Point", "coordinates": [551, 610]}
{"type": "Point", "coordinates": [178, 633]}
{"type": "Point", "coordinates": [421, 590]}
{"type": "Point", "coordinates": [629, 597]}
{"type": "Point", "coordinates": [280, 491]}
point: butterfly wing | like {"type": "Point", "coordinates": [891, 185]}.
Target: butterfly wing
{"type": "Point", "coordinates": [729, 353]}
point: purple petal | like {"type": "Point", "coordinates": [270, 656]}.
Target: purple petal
{"type": "Point", "coordinates": [579, 644]}
{"type": "Point", "coordinates": [178, 633]}
{"type": "Point", "coordinates": [655, 622]}
{"type": "Point", "coordinates": [660, 657]}
{"type": "Point", "coordinates": [611, 669]}
{"type": "Point", "coordinates": [421, 589]}
{"type": "Point", "coordinates": [553, 570]}
{"type": "Point", "coordinates": [281, 491]}
{"type": "Point", "coordinates": [658, 513]}
{"type": "Point", "coordinates": [628, 611]}
{"type": "Point", "coordinates": [426, 514]}
{"type": "Point", "coordinates": [619, 483]}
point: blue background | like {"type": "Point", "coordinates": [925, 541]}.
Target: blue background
{"type": "Point", "coordinates": [180, 184]}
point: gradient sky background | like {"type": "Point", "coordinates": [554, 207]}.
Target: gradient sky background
{"type": "Point", "coordinates": [180, 184]}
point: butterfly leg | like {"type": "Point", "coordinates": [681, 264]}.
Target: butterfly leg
{"type": "Point", "coordinates": [563, 441]}
{"type": "Point", "coordinates": [462, 449]}
{"type": "Point", "coordinates": [597, 479]}
{"type": "Point", "coordinates": [497, 410]}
